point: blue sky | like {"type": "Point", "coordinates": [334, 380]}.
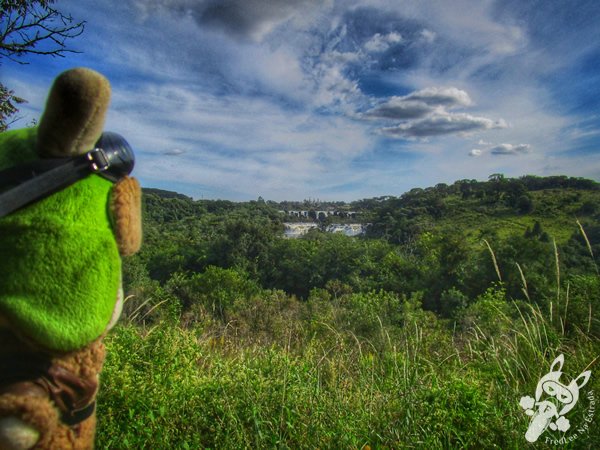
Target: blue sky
{"type": "Point", "coordinates": [338, 100]}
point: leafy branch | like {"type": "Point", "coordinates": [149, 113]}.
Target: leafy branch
{"type": "Point", "coordinates": [26, 25]}
{"type": "Point", "coordinates": [31, 27]}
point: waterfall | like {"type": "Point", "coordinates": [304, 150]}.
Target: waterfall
{"type": "Point", "coordinates": [298, 229]}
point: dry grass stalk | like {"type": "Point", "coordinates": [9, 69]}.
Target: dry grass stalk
{"type": "Point", "coordinates": [557, 262]}
{"type": "Point", "coordinates": [493, 260]}
{"type": "Point", "coordinates": [524, 281]}
{"type": "Point", "coordinates": [589, 246]}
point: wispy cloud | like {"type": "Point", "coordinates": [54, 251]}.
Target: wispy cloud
{"type": "Point", "coordinates": [424, 114]}
{"type": "Point", "coordinates": [380, 43]}
{"type": "Point", "coordinates": [510, 149]}
{"type": "Point", "coordinates": [419, 104]}
{"type": "Point", "coordinates": [442, 123]}
{"type": "Point", "coordinates": [174, 152]}
{"type": "Point", "coordinates": [445, 97]}
{"type": "Point", "coordinates": [243, 19]}
{"type": "Point", "coordinates": [338, 98]}
{"type": "Point", "coordinates": [501, 149]}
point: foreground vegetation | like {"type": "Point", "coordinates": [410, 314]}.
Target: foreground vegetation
{"type": "Point", "coordinates": [422, 334]}
{"type": "Point", "coordinates": [279, 377]}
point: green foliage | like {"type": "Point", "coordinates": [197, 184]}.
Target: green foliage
{"type": "Point", "coordinates": [453, 303]}
{"type": "Point", "coordinates": [418, 335]}
{"type": "Point", "coordinates": [410, 382]}
{"type": "Point", "coordinates": [490, 314]}
{"type": "Point", "coordinates": [579, 310]}
{"type": "Point", "coordinates": [8, 106]}
{"type": "Point", "coordinates": [408, 250]}
{"type": "Point", "coordinates": [458, 414]}
{"type": "Point", "coordinates": [524, 204]}
{"type": "Point", "coordinates": [214, 291]}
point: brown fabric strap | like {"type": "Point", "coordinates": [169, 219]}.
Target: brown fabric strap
{"type": "Point", "coordinates": [24, 389]}
{"type": "Point", "coordinates": [72, 395]}
{"type": "Point", "coordinates": [68, 391]}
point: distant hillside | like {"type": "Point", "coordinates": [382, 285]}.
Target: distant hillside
{"type": "Point", "coordinates": [476, 209]}
{"type": "Point", "coordinates": [480, 209]}
{"type": "Point", "coordinates": [433, 242]}
{"type": "Point", "coordinates": [165, 194]}
{"type": "Point", "coordinates": [493, 208]}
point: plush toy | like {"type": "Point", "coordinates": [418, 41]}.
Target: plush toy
{"type": "Point", "coordinates": [60, 267]}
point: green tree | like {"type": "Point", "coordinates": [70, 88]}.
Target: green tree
{"type": "Point", "coordinates": [8, 106]}
{"type": "Point", "coordinates": [524, 204]}
{"type": "Point", "coordinates": [215, 290]}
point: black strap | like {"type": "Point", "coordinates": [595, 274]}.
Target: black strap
{"type": "Point", "coordinates": [34, 181]}
{"type": "Point", "coordinates": [78, 416]}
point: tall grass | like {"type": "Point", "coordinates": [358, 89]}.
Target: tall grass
{"type": "Point", "coordinates": [417, 384]}
{"type": "Point", "coordinates": [363, 371]}
{"type": "Point", "coordinates": [327, 397]}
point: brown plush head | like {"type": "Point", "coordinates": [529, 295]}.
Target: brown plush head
{"type": "Point", "coordinates": [75, 113]}
{"type": "Point", "coordinates": [72, 123]}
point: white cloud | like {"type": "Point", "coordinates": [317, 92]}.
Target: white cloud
{"type": "Point", "coordinates": [424, 114]}
{"type": "Point", "coordinates": [510, 149]}
{"type": "Point", "coordinates": [174, 152]}
{"type": "Point", "coordinates": [262, 97]}
{"type": "Point", "coordinates": [380, 43]}
{"type": "Point", "coordinates": [428, 35]}
{"type": "Point", "coordinates": [449, 97]}
{"type": "Point", "coordinates": [500, 149]}
{"type": "Point", "coordinates": [329, 85]}
{"type": "Point", "coordinates": [244, 19]}
{"type": "Point", "coordinates": [239, 146]}
{"type": "Point", "coordinates": [420, 103]}
{"type": "Point", "coordinates": [399, 108]}
{"type": "Point", "coordinates": [440, 124]}
{"type": "Point", "coordinates": [478, 28]}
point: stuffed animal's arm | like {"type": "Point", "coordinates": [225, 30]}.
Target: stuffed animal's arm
{"type": "Point", "coordinates": [126, 214]}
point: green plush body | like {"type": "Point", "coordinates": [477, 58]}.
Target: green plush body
{"type": "Point", "coordinates": [59, 263]}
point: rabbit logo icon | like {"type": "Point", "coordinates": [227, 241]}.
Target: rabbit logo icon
{"type": "Point", "coordinates": [553, 400]}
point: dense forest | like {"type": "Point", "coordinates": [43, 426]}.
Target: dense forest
{"type": "Point", "coordinates": [436, 243]}
{"type": "Point", "coordinates": [444, 313]}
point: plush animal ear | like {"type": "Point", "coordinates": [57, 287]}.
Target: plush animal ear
{"type": "Point", "coordinates": [126, 213]}
{"type": "Point", "coordinates": [75, 113]}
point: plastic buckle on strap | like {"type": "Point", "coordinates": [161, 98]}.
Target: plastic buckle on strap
{"type": "Point", "coordinates": [99, 161]}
